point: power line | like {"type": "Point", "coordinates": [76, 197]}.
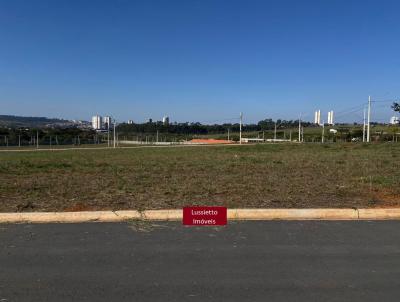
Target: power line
{"type": "Point", "coordinates": [220, 120]}
{"type": "Point", "coordinates": [385, 101]}
{"type": "Point", "coordinates": [351, 109]}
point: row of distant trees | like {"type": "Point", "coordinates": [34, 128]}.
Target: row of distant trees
{"type": "Point", "coordinates": [47, 136]}
{"type": "Point", "coordinates": [72, 135]}
{"type": "Point", "coordinates": [81, 136]}
{"type": "Point", "coordinates": [173, 131]}
{"type": "Point", "coordinates": [198, 128]}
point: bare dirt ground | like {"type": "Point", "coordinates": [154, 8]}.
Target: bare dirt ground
{"type": "Point", "coordinates": [267, 176]}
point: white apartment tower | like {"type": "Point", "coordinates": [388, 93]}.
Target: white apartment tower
{"type": "Point", "coordinates": [96, 122]}
{"type": "Point", "coordinates": [330, 118]}
{"type": "Point", "coordinates": [165, 120]}
{"type": "Point", "coordinates": [107, 122]}
{"type": "Point", "coordinates": [317, 117]}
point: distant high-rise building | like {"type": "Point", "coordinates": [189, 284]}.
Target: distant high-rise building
{"type": "Point", "coordinates": [394, 120]}
{"type": "Point", "coordinates": [330, 118]}
{"type": "Point", "coordinates": [106, 122]}
{"type": "Point", "coordinates": [96, 122]}
{"type": "Point", "coordinates": [317, 117]}
{"type": "Point", "coordinates": [165, 120]}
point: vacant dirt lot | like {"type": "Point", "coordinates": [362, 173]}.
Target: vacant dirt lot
{"type": "Point", "coordinates": [275, 175]}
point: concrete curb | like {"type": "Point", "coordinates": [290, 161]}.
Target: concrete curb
{"type": "Point", "coordinates": [48, 217]}
{"type": "Point", "coordinates": [176, 215]}
{"type": "Point", "coordinates": [378, 214]}
{"type": "Point", "coordinates": [293, 214]}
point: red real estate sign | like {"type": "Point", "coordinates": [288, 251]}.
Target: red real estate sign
{"type": "Point", "coordinates": [199, 216]}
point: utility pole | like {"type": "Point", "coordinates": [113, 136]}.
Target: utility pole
{"type": "Point", "coordinates": [290, 134]}
{"type": "Point", "coordinates": [114, 134]}
{"type": "Point", "coordinates": [157, 136]}
{"type": "Point", "coordinates": [263, 136]}
{"type": "Point", "coordinates": [50, 141]}
{"type": "Point", "coordinates": [300, 128]}
{"type": "Point", "coordinates": [369, 120]}
{"type": "Point", "coordinates": [323, 132]}
{"type": "Point", "coordinates": [364, 127]}
{"type": "Point", "coordinates": [240, 127]}
{"type": "Point", "coordinates": [228, 134]}
{"type": "Point", "coordinates": [275, 133]}
{"type": "Point", "coordinates": [19, 140]}
{"type": "Point", "coordinates": [108, 133]}
{"type": "Point", "coordinates": [37, 139]}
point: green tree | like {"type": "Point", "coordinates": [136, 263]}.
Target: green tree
{"type": "Point", "coordinates": [396, 107]}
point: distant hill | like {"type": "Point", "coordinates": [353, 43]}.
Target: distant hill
{"type": "Point", "coordinates": [32, 122]}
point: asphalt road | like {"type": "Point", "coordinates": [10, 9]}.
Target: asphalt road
{"type": "Point", "coordinates": [245, 261]}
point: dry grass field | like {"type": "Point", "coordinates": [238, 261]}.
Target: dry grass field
{"type": "Point", "coordinates": [272, 176]}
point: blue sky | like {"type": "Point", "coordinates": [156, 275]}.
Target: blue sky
{"type": "Point", "coordinates": [196, 60]}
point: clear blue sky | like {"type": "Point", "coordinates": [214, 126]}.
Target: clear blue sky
{"type": "Point", "coordinates": [196, 60]}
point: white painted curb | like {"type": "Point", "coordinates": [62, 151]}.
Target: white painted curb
{"type": "Point", "coordinates": [176, 215]}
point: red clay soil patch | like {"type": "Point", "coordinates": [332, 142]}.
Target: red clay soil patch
{"type": "Point", "coordinates": [211, 141]}
{"type": "Point", "coordinates": [385, 199]}
{"type": "Point", "coordinates": [78, 208]}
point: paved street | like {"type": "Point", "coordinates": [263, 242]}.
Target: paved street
{"type": "Point", "coordinates": [244, 261]}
